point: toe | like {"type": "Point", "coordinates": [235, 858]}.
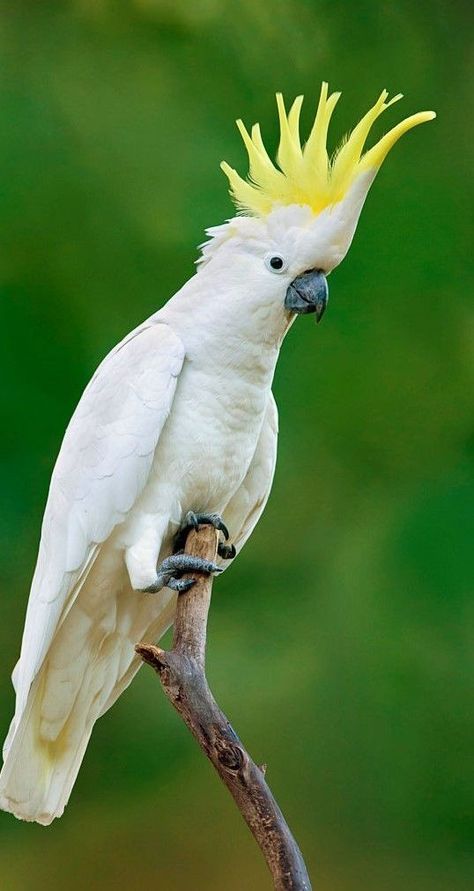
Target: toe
{"type": "Point", "coordinates": [152, 589]}
{"type": "Point", "coordinates": [178, 563]}
{"type": "Point", "coordinates": [180, 585]}
{"type": "Point", "coordinates": [198, 564]}
{"type": "Point", "coordinates": [219, 524]}
{"type": "Point", "coordinates": [191, 520]}
{"type": "Point", "coordinates": [213, 567]}
{"type": "Point", "coordinates": [223, 528]}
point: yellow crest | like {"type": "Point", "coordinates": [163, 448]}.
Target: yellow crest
{"type": "Point", "coordinates": [306, 175]}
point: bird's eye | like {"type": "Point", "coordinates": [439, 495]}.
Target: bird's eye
{"type": "Point", "coordinates": [275, 263]}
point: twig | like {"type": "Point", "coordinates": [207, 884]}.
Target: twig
{"type": "Point", "coordinates": [183, 678]}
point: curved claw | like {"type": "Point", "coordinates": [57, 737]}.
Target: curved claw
{"type": "Point", "coordinates": [227, 552]}
{"type": "Point", "coordinates": [193, 520]}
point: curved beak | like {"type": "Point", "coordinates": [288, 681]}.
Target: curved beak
{"type": "Point", "coordinates": [308, 293]}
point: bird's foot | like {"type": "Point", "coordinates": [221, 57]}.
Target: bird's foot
{"type": "Point", "coordinates": [193, 521]}
{"type": "Point", "coordinates": [170, 572]}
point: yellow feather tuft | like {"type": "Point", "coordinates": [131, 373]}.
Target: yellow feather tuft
{"type": "Point", "coordinates": [306, 175]}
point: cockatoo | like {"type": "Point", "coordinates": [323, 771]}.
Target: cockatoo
{"type": "Point", "coordinates": [177, 427]}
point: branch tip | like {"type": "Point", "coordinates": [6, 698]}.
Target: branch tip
{"type": "Point", "coordinates": [152, 655]}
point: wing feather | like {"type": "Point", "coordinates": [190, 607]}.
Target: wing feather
{"type": "Point", "coordinates": [102, 467]}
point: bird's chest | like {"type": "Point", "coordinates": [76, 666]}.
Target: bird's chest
{"type": "Point", "coordinates": [210, 437]}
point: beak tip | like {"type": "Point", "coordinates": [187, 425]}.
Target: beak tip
{"type": "Point", "coordinates": [321, 307]}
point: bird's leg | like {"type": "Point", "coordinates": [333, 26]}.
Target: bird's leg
{"type": "Point", "coordinates": [171, 569]}
{"type": "Point", "coordinates": [193, 521]}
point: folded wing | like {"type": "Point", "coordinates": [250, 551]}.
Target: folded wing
{"type": "Point", "coordinates": [102, 467]}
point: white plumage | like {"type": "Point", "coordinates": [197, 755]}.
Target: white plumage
{"type": "Point", "coordinates": [158, 431]}
{"type": "Point", "coordinates": [178, 417]}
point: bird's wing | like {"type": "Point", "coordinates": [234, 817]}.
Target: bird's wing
{"type": "Point", "coordinates": [102, 467]}
{"type": "Point", "coordinates": [247, 505]}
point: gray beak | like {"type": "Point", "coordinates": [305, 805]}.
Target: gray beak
{"type": "Point", "coordinates": [308, 293]}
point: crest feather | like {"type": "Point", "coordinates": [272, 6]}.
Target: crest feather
{"type": "Point", "coordinates": [306, 175]}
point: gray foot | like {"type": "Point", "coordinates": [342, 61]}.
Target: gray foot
{"type": "Point", "coordinates": [227, 552]}
{"type": "Point", "coordinates": [170, 571]}
{"type": "Point", "coordinates": [193, 521]}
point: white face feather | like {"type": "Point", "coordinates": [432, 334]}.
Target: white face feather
{"type": "Point", "coordinates": [236, 290]}
{"type": "Point", "coordinates": [303, 240]}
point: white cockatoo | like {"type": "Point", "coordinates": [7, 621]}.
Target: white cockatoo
{"type": "Point", "coordinates": [178, 426]}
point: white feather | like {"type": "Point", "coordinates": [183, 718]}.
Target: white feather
{"type": "Point", "coordinates": [178, 417]}
{"type": "Point", "coordinates": [103, 465]}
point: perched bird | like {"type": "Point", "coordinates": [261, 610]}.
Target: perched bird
{"type": "Point", "coordinates": [178, 426]}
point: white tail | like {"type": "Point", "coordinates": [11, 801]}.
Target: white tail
{"type": "Point", "coordinates": [37, 775]}
{"type": "Point", "coordinates": [86, 669]}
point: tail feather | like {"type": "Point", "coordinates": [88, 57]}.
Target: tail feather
{"type": "Point", "coordinates": [38, 776]}
{"type": "Point", "coordinates": [47, 741]}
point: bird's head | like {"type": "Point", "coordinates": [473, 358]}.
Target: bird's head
{"type": "Point", "coordinates": [296, 220]}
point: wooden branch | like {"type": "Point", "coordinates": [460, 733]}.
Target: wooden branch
{"type": "Point", "coordinates": [183, 678]}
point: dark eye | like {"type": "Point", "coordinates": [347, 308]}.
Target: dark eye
{"type": "Point", "coordinates": [275, 263]}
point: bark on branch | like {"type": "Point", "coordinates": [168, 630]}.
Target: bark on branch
{"type": "Point", "coordinates": [183, 678]}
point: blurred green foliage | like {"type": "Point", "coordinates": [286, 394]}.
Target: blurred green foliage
{"type": "Point", "coordinates": [339, 642]}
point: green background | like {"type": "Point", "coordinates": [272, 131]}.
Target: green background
{"type": "Point", "coordinates": [339, 642]}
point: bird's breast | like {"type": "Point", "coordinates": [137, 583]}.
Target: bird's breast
{"type": "Point", "coordinates": [208, 441]}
